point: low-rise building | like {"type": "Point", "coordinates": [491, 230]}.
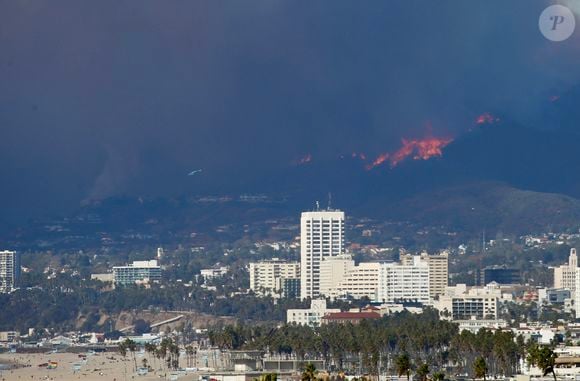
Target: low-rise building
{"type": "Point", "coordinates": [474, 325]}
{"type": "Point", "coordinates": [212, 273]}
{"type": "Point", "coordinates": [554, 295]}
{"type": "Point", "coordinates": [9, 336]}
{"type": "Point", "coordinates": [104, 277]}
{"type": "Point", "coordinates": [139, 272]}
{"type": "Point", "coordinates": [352, 317]}
{"type": "Point", "coordinates": [310, 316]}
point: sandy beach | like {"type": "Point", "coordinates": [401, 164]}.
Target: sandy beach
{"type": "Point", "coordinates": [102, 366]}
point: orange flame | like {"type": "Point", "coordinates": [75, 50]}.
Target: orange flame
{"type": "Point", "coordinates": [378, 161]}
{"type": "Point", "coordinates": [486, 118]}
{"type": "Point", "coordinates": [418, 149]}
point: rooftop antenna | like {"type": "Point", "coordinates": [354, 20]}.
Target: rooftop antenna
{"type": "Point", "coordinates": [329, 200]}
{"type": "Point", "coordinates": [317, 205]}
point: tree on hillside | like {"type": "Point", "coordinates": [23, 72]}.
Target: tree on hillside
{"type": "Point", "coordinates": [141, 326]}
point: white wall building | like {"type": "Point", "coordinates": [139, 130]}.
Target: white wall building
{"type": "Point", "coordinates": [332, 272]}
{"type": "Point", "coordinates": [321, 236]}
{"type": "Point", "coordinates": [565, 275]}
{"type": "Point", "coordinates": [311, 316]}
{"type": "Point", "coordinates": [461, 303]}
{"type": "Point", "coordinates": [213, 273]}
{"type": "Point", "coordinates": [438, 271]}
{"type": "Point", "coordinates": [398, 282]}
{"type": "Point", "coordinates": [361, 281]}
{"type": "Point", "coordinates": [266, 276]}
{"type": "Point", "coordinates": [139, 272]}
{"type": "Point", "coordinates": [9, 270]}
{"type": "Point", "coordinates": [474, 325]}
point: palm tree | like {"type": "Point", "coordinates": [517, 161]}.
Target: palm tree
{"type": "Point", "coordinates": [438, 376]}
{"type": "Point", "coordinates": [150, 348]}
{"type": "Point", "coordinates": [269, 377]}
{"type": "Point", "coordinates": [190, 353]}
{"type": "Point", "coordinates": [544, 358]}
{"type": "Point", "coordinates": [403, 365]}
{"type": "Point", "coordinates": [132, 347]}
{"type": "Point", "coordinates": [122, 348]}
{"type": "Point", "coordinates": [423, 371]}
{"type": "Point", "coordinates": [174, 351]}
{"type": "Point", "coordinates": [309, 373]}
{"type": "Point", "coordinates": [123, 351]}
{"type": "Point", "coordinates": [480, 368]}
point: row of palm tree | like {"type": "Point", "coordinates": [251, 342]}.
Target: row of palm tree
{"type": "Point", "coordinates": [128, 346]}
{"type": "Point", "coordinates": [376, 346]}
{"type": "Point", "coordinates": [167, 352]}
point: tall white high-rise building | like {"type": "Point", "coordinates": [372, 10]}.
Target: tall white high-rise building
{"type": "Point", "coordinates": [9, 270]}
{"type": "Point", "coordinates": [565, 275]}
{"type": "Point", "coordinates": [321, 236]}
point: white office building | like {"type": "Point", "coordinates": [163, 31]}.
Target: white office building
{"type": "Point", "coordinates": [139, 272]}
{"type": "Point", "coordinates": [438, 271]}
{"type": "Point", "coordinates": [9, 270]}
{"type": "Point", "coordinates": [404, 282]}
{"type": "Point", "coordinates": [311, 316]}
{"type": "Point", "coordinates": [475, 303]}
{"type": "Point", "coordinates": [266, 276]}
{"type": "Point", "coordinates": [565, 275]}
{"type": "Point", "coordinates": [361, 281]}
{"type": "Point", "coordinates": [332, 273]}
{"type": "Point", "coordinates": [321, 236]}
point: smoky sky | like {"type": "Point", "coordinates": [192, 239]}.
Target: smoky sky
{"type": "Point", "coordinates": [108, 98]}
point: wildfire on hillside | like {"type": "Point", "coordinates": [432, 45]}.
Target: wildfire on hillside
{"type": "Point", "coordinates": [417, 149]}
{"type": "Point", "coordinates": [486, 118]}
